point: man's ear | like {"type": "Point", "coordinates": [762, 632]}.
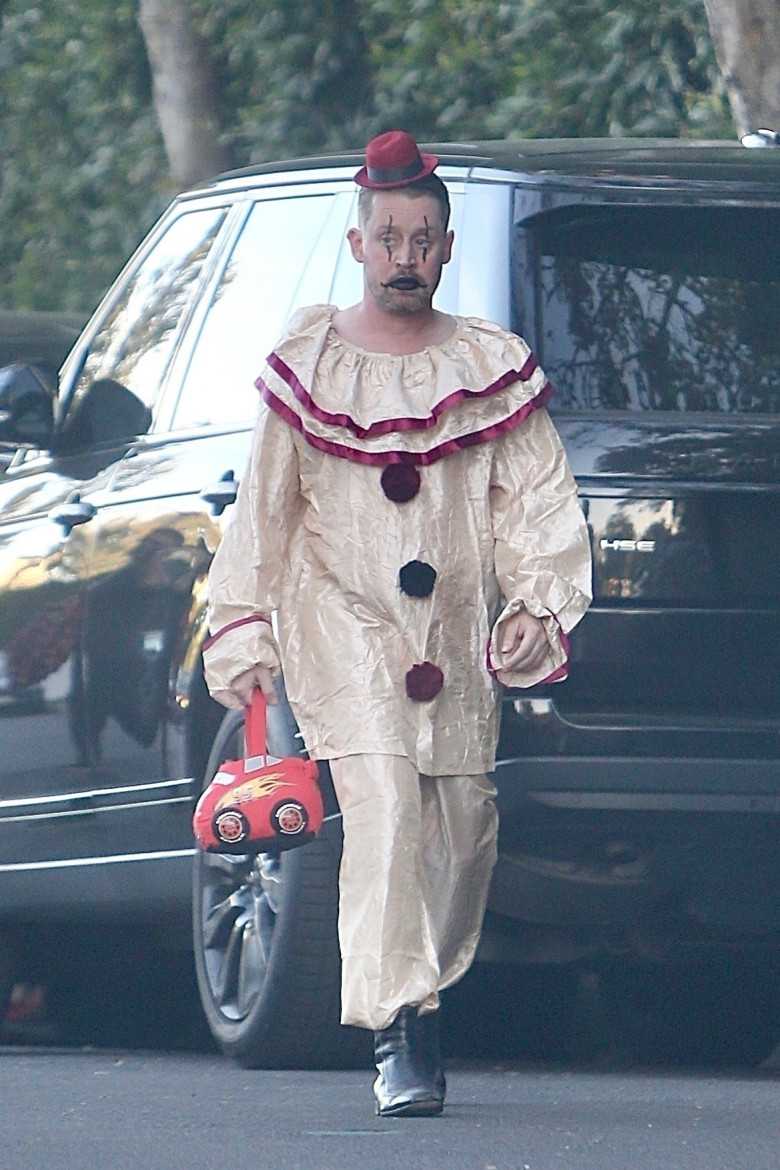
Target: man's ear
{"type": "Point", "coordinates": [355, 237]}
{"type": "Point", "coordinates": [449, 240]}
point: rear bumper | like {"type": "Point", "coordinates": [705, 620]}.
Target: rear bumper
{"type": "Point", "coordinates": [650, 855]}
{"type": "Point", "coordinates": [640, 783]}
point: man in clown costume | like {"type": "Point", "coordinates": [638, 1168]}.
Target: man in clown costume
{"type": "Point", "coordinates": [409, 520]}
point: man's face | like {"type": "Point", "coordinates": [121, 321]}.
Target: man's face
{"type": "Point", "coordinates": [403, 246]}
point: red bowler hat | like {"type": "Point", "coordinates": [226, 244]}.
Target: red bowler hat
{"type": "Point", "coordinates": [394, 160]}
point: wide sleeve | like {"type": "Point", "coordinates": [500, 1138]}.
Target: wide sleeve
{"type": "Point", "coordinates": [541, 543]}
{"type": "Point", "coordinates": [246, 574]}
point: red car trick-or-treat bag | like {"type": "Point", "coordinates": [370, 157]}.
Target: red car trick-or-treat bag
{"type": "Point", "coordinates": [259, 804]}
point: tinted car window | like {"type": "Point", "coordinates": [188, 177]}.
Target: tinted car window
{"type": "Point", "coordinates": [284, 257]}
{"type": "Point", "coordinates": [655, 308]}
{"type": "Point", "coordinates": [132, 347]}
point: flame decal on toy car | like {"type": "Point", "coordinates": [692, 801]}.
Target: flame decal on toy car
{"type": "Point", "coordinates": [252, 789]}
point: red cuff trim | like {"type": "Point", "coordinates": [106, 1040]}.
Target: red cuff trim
{"type": "Point", "coordinates": [561, 672]}
{"type": "Point", "coordinates": [388, 426]}
{"type": "Point", "coordinates": [489, 661]}
{"type": "Point", "coordinates": [421, 458]}
{"type": "Point", "coordinates": [234, 626]}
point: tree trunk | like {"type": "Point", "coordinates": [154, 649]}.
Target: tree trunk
{"type": "Point", "coordinates": [183, 90]}
{"type": "Point", "coordinates": [746, 36]}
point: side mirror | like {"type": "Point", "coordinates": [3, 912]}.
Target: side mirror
{"type": "Point", "coordinates": [26, 407]}
{"type": "Point", "coordinates": [106, 413]}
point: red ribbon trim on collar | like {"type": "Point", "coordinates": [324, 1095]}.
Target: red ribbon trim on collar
{"type": "Point", "coordinates": [421, 458]}
{"type": "Point", "coordinates": [390, 425]}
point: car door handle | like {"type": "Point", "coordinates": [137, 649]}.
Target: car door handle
{"type": "Point", "coordinates": [221, 493]}
{"type": "Point", "coordinates": [73, 512]}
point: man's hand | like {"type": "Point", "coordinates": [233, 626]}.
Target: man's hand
{"type": "Point", "coordinates": [257, 676]}
{"type": "Point", "coordinates": [523, 642]}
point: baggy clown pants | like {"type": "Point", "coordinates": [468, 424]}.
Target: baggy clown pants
{"type": "Point", "coordinates": [415, 869]}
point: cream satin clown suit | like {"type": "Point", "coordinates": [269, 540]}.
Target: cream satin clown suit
{"type": "Point", "coordinates": [392, 508]}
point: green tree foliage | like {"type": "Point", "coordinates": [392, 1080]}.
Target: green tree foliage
{"type": "Point", "coordinates": [295, 76]}
{"type": "Point", "coordinates": [83, 170]}
{"type": "Point", "coordinates": [441, 68]}
{"type": "Point", "coordinates": [545, 68]}
{"type": "Point", "coordinates": [595, 68]}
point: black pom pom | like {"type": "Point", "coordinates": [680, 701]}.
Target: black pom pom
{"type": "Point", "coordinates": [417, 579]}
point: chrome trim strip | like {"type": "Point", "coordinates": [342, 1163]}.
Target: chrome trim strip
{"type": "Point", "coordinates": [92, 811]}
{"type": "Point", "coordinates": [661, 801]}
{"type": "Point", "coordinates": [92, 794]}
{"type": "Point", "coordinates": [117, 859]}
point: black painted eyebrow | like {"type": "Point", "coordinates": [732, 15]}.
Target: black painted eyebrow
{"type": "Point", "coordinates": [387, 232]}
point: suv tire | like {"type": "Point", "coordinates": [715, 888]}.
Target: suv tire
{"type": "Point", "coordinates": [266, 944]}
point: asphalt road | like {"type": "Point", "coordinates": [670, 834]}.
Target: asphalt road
{"type": "Point", "coordinates": [623, 1070]}
{"type": "Point", "coordinates": [84, 1110]}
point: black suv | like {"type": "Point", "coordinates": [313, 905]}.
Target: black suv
{"type": "Point", "coordinates": [639, 800]}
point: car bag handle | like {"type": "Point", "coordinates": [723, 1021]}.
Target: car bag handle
{"type": "Point", "coordinates": [255, 726]}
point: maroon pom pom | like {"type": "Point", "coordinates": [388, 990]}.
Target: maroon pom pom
{"type": "Point", "coordinates": [423, 682]}
{"type": "Point", "coordinates": [400, 482]}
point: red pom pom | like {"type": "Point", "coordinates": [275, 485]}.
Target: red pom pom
{"type": "Point", "coordinates": [400, 482]}
{"type": "Point", "coordinates": [423, 682]}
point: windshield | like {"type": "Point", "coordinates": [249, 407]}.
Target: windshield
{"type": "Point", "coordinates": [653, 308]}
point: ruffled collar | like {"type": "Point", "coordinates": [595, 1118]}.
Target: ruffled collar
{"type": "Point", "coordinates": [382, 408]}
